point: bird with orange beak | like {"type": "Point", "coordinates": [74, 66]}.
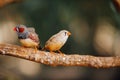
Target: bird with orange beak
{"type": "Point", "coordinates": [57, 41]}
{"type": "Point", "coordinates": [27, 36]}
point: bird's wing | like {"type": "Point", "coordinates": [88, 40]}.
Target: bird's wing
{"type": "Point", "coordinates": [54, 37]}
{"type": "Point", "coordinates": [34, 37]}
{"type": "Point", "coordinates": [51, 39]}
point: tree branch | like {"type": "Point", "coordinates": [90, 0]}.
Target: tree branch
{"type": "Point", "coordinates": [56, 59]}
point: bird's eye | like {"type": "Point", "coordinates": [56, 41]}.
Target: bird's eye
{"type": "Point", "coordinates": [21, 29]}
{"type": "Point", "coordinates": [65, 33]}
{"type": "Point", "coordinates": [16, 29]}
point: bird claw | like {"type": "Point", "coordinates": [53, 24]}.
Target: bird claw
{"type": "Point", "coordinates": [52, 52]}
{"type": "Point", "coordinates": [59, 51]}
{"type": "Point", "coordinates": [36, 49]}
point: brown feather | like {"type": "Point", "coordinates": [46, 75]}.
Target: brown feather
{"type": "Point", "coordinates": [34, 37]}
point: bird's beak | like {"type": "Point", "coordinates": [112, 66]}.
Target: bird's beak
{"type": "Point", "coordinates": [68, 33]}
{"type": "Point", "coordinates": [14, 28]}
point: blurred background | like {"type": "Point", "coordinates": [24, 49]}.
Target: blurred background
{"type": "Point", "coordinates": [95, 28]}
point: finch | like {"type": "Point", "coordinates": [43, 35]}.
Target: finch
{"type": "Point", "coordinates": [57, 41]}
{"type": "Point", "coordinates": [27, 36]}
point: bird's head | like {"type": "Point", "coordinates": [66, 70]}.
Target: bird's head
{"type": "Point", "coordinates": [20, 28]}
{"type": "Point", "coordinates": [21, 31]}
{"type": "Point", "coordinates": [65, 32]}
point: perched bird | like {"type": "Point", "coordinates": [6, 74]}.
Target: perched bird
{"type": "Point", "coordinates": [27, 36]}
{"type": "Point", "coordinates": [57, 41]}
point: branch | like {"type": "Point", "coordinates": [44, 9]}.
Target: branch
{"type": "Point", "coordinates": [56, 59]}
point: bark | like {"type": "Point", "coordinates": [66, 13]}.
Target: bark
{"type": "Point", "coordinates": [56, 59]}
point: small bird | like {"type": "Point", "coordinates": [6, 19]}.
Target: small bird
{"type": "Point", "coordinates": [57, 41]}
{"type": "Point", "coordinates": [27, 36]}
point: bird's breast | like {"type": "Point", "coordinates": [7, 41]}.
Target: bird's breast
{"type": "Point", "coordinates": [28, 43]}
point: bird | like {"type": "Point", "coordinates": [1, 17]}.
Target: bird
{"type": "Point", "coordinates": [27, 36]}
{"type": "Point", "coordinates": [56, 42]}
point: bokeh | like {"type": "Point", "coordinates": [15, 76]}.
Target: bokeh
{"type": "Point", "coordinates": [95, 28]}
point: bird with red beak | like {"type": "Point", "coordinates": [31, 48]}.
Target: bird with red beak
{"type": "Point", "coordinates": [27, 36]}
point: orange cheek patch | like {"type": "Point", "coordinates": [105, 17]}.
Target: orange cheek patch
{"type": "Point", "coordinates": [21, 29]}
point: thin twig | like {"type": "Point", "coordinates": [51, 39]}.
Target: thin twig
{"type": "Point", "coordinates": [56, 59]}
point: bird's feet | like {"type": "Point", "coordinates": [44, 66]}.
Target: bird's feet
{"type": "Point", "coordinates": [35, 49]}
{"type": "Point", "coordinates": [60, 52]}
{"type": "Point", "coordinates": [52, 52]}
